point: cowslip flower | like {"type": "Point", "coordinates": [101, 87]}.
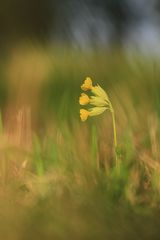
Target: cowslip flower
{"type": "Point", "coordinates": [96, 90]}
{"type": "Point", "coordinates": [84, 114]}
{"type": "Point", "coordinates": [87, 85]}
{"type": "Point", "coordinates": [99, 100]}
{"type": "Point", "coordinates": [93, 100]}
{"type": "Point", "coordinates": [84, 99]}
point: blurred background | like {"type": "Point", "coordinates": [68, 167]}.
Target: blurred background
{"type": "Point", "coordinates": [83, 24]}
{"type": "Point", "coordinates": [42, 42]}
{"type": "Point", "coordinates": [53, 167]}
{"type": "Point", "coordinates": [49, 47]}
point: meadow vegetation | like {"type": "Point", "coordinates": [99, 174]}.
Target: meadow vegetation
{"type": "Point", "coordinates": [58, 177]}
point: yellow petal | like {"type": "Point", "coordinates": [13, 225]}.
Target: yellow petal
{"type": "Point", "coordinates": [84, 114]}
{"type": "Point", "coordinates": [87, 85]}
{"type": "Point", "coordinates": [84, 99]}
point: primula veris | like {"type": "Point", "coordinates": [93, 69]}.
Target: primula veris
{"type": "Point", "coordinates": [87, 85]}
{"type": "Point", "coordinates": [99, 100]}
{"type": "Point", "coordinates": [84, 99]}
{"type": "Point", "coordinates": [84, 114]}
{"type": "Point", "coordinates": [100, 103]}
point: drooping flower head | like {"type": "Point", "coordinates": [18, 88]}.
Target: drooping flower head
{"type": "Point", "coordinates": [100, 103]}
{"type": "Point", "coordinates": [99, 100]}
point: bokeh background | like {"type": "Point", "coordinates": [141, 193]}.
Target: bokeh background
{"type": "Point", "coordinates": [82, 24]}
{"type": "Point", "coordinates": [58, 176]}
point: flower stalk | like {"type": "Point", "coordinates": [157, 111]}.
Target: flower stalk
{"type": "Point", "coordinates": [100, 103]}
{"type": "Point", "coordinates": [114, 132]}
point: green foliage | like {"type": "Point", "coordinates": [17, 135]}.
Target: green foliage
{"type": "Point", "coordinates": [63, 192]}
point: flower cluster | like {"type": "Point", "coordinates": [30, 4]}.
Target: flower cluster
{"type": "Point", "coordinates": [99, 100]}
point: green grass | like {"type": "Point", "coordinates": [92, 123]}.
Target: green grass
{"type": "Point", "coordinates": [62, 183]}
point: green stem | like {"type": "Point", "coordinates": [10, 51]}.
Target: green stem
{"type": "Point", "coordinates": [114, 132]}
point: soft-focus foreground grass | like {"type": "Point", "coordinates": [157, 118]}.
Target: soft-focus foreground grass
{"type": "Point", "coordinates": [58, 178]}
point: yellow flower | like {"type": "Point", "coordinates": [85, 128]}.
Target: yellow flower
{"type": "Point", "coordinates": [87, 85]}
{"type": "Point", "coordinates": [84, 114]}
{"type": "Point", "coordinates": [84, 99]}
{"type": "Point", "coordinates": [99, 100]}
